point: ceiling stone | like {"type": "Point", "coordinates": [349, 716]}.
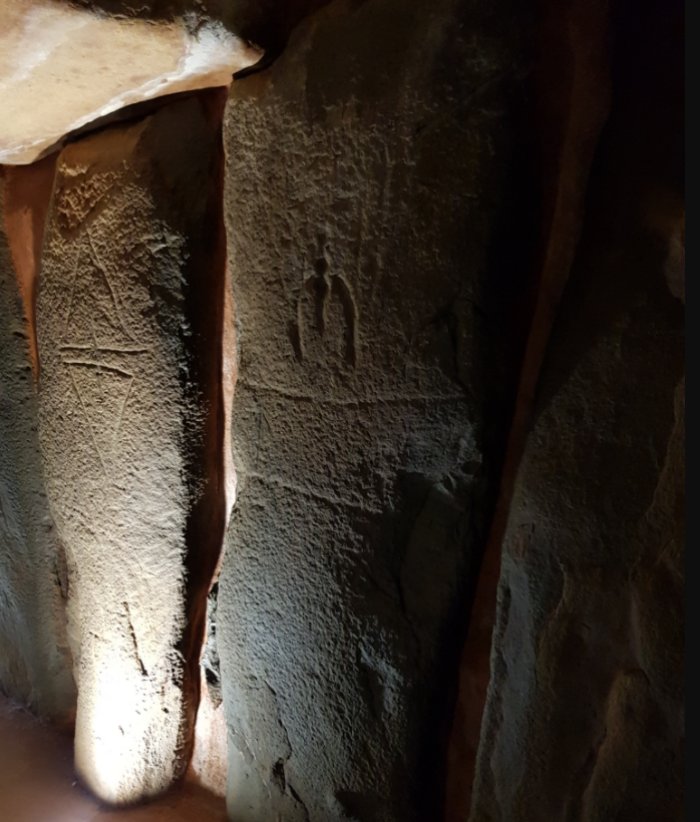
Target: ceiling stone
{"type": "Point", "coordinates": [62, 67]}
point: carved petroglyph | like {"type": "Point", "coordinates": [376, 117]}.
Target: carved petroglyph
{"type": "Point", "coordinates": [103, 313]}
{"type": "Point", "coordinates": [134, 640]}
{"type": "Point", "coordinates": [124, 414]}
{"type": "Point", "coordinates": [326, 308]}
{"type": "Point", "coordinates": [81, 197]}
{"type": "Point", "coordinates": [98, 350]}
{"type": "Point", "coordinates": [358, 489]}
{"type": "Point", "coordinates": [376, 399]}
{"type": "Point", "coordinates": [97, 398]}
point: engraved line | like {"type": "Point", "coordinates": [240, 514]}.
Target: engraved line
{"type": "Point", "coordinates": [103, 270]}
{"type": "Point", "coordinates": [349, 307]}
{"type": "Point", "coordinates": [310, 492]}
{"type": "Point", "coordinates": [300, 328]}
{"type": "Point", "coordinates": [87, 420]}
{"type": "Point", "coordinates": [103, 349]}
{"type": "Point", "coordinates": [358, 401]}
{"type": "Point", "coordinates": [121, 413]}
{"type": "Point", "coordinates": [99, 366]}
{"type": "Point", "coordinates": [132, 631]}
{"type": "Point", "coordinates": [72, 290]}
{"type": "Point", "coordinates": [92, 332]}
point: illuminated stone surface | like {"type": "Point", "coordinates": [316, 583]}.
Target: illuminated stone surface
{"type": "Point", "coordinates": [361, 201]}
{"type": "Point", "coordinates": [62, 67]}
{"type": "Point", "coordinates": [126, 424]}
{"type": "Point", "coordinates": [380, 233]}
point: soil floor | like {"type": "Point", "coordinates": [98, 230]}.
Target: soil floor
{"type": "Point", "coordinates": [38, 784]}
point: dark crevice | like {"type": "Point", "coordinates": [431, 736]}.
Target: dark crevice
{"type": "Point", "coordinates": [299, 801]}
{"type": "Point", "coordinates": [204, 309]}
{"type": "Point", "coordinates": [28, 193]}
{"type": "Point", "coordinates": [126, 115]}
{"type": "Point", "coordinates": [568, 117]}
{"type": "Point", "coordinates": [267, 61]}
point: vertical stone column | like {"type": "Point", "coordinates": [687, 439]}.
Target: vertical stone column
{"type": "Point", "coordinates": [35, 665]}
{"type": "Point", "coordinates": [584, 718]}
{"type": "Point", "coordinates": [129, 330]}
{"type": "Point", "coordinates": [368, 183]}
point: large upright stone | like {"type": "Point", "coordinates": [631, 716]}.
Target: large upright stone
{"type": "Point", "coordinates": [367, 183]}
{"type": "Point", "coordinates": [584, 718]}
{"type": "Point", "coordinates": [129, 327]}
{"type": "Point", "coordinates": [35, 665]}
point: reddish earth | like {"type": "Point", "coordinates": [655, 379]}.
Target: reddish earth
{"type": "Point", "coordinates": [38, 784]}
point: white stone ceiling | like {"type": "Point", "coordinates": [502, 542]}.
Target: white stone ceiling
{"type": "Point", "coordinates": [61, 68]}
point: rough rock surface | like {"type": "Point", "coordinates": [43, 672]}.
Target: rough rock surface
{"type": "Point", "coordinates": [62, 67]}
{"type": "Point", "coordinates": [570, 103]}
{"type": "Point", "coordinates": [366, 187]}
{"type": "Point", "coordinates": [585, 713]}
{"type": "Point", "coordinates": [35, 664]}
{"type": "Point", "coordinates": [129, 330]}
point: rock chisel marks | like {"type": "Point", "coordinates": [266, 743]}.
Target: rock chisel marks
{"type": "Point", "coordinates": [129, 417]}
{"type": "Point", "coordinates": [362, 200]}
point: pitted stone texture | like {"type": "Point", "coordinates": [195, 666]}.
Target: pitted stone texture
{"type": "Point", "coordinates": [365, 179]}
{"type": "Point", "coordinates": [585, 712]}
{"type": "Point", "coordinates": [123, 416]}
{"type": "Point", "coordinates": [35, 664]}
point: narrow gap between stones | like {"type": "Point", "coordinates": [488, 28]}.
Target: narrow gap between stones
{"type": "Point", "coordinates": [574, 111]}
{"type": "Point", "coordinates": [206, 306]}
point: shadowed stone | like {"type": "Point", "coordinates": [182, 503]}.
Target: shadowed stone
{"type": "Point", "coordinates": [35, 664]}
{"type": "Point", "coordinates": [367, 174]}
{"type": "Point", "coordinates": [584, 718]}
